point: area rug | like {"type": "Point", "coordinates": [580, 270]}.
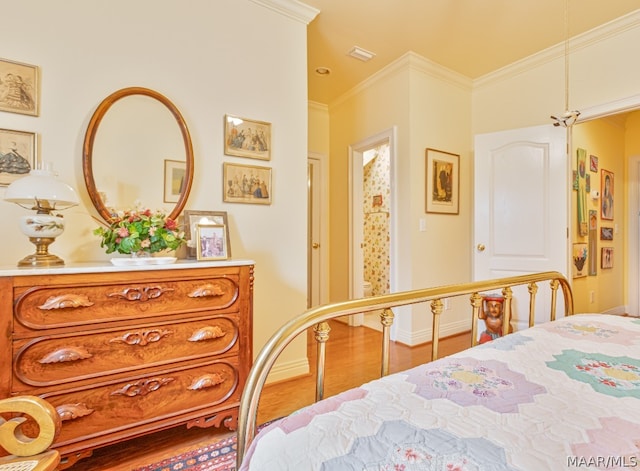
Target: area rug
{"type": "Point", "coordinates": [219, 456]}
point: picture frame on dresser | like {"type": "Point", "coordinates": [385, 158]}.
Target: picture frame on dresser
{"type": "Point", "coordinates": [18, 155]}
{"type": "Point", "coordinates": [211, 242]}
{"type": "Point", "coordinates": [20, 87]}
{"type": "Point", "coordinates": [194, 217]}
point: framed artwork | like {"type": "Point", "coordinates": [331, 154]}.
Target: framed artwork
{"type": "Point", "coordinates": [442, 182]}
{"type": "Point", "coordinates": [593, 163]}
{"type": "Point", "coordinates": [247, 138]}
{"type": "Point", "coordinates": [606, 257]}
{"type": "Point", "coordinates": [17, 155]}
{"type": "Point", "coordinates": [174, 173]}
{"type": "Point", "coordinates": [19, 88]}
{"type": "Point", "coordinates": [607, 193]}
{"type": "Point", "coordinates": [579, 260]}
{"type": "Point", "coordinates": [246, 184]}
{"type": "Point", "coordinates": [211, 242]}
{"type": "Point", "coordinates": [606, 233]}
{"type": "Point", "coordinates": [593, 241]}
{"type": "Point", "coordinates": [582, 210]}
{"type": "Point", "coordinates": [191, 220]}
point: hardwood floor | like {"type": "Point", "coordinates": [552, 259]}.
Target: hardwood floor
{"type": "Point", "coordinates": [353, 355]}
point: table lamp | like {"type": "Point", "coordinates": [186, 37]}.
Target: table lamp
{"type": "Point", "coordinates": [42, 192]}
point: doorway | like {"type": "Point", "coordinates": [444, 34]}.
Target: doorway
{"type": "Point", "coordinates": [371, 221]}
{"type": "Point", "coordinates": [317, 230]}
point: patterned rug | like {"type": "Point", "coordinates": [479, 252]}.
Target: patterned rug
{"type": "Point", "coordinates": [220, 456]}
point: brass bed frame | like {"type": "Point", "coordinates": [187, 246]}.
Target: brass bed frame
{"type": "Point", "coordinates": [318, 317]}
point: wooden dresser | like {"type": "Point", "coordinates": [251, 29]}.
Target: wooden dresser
{"type": "Point", "coordinates": [121, 352]}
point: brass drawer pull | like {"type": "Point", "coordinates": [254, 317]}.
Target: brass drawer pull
{"type": "Point", "coordinates": [206, 381]}
{"type": "Point", "coordinates": [73, 411]}
{"type": "Point", "coordinates": [66, 354]}
{"type": "Point", "coordinates": [142, 388]}
{"type": "Point", "coordinates": [207, 333]}
{"type": "Point", "coordinates": [206, 291]}
{"type": "Point", "coordinates": [141, 338]}
{"type": "Point", "coordinates": [140, 293]}
{"type": "Point", "coordinates": [66, 301]}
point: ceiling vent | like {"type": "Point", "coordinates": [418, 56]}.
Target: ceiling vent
{"type": "Point", "coordinates": [361, 54]}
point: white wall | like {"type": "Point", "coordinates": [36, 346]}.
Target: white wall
{"type": "Point", "coordinates": [210, 58]}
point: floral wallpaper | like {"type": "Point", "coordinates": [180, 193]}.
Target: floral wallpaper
{"type": "Point", "coordinates": [377, 191]}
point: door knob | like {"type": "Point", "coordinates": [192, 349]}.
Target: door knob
{"type": "Point", "coordinates": [481, 247]}
{"type": "Point", "coordinates": [315, 245]}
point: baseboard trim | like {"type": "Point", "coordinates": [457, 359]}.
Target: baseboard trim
{"type": "Point", "coordinates": [288, 370]}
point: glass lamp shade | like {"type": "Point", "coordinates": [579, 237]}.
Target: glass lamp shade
{"type": "Point", "coordinates": [43, 192]}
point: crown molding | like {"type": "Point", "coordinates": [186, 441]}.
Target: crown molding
{"type": "Point", "coordinates": [291, 8]}
{"type": "Point", "coordinates": [581, 41]}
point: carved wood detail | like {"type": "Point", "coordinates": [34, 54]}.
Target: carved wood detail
{"type": "Point", "coordinates": [73, 411]}
{"type": "Point", "coordinates": [142, 388]}
{"type": "Point", "coordinates": [206, 381]}
{"type": "Point", "coordinates": [142, 337]}
{"type": "Point", "coordinates": [140, 293]}
{"type": "Point", "coordinates": [66, 301]}
{"type": "Point", "coordinates": [66, 354]}
{"type": "Point", "coordinates": [207, 333]}
{"type": "Point", "coordinates": [228, 418]}
{"type": "Point", "coordinates": [206, 291]}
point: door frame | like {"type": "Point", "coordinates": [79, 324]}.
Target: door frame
{"type": "Point", "coordinates": [319, 274]}
{"type": "Point", "coordinates": [356, 217]}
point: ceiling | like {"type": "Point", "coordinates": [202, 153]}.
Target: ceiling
{"type": "Point", "coordinates": [471, 37]}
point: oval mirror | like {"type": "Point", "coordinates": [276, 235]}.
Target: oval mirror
{"type": "Point", "coordinates": [137, 153]}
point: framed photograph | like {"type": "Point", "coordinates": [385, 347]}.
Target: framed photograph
{"type": "Point", "coordinates": [17, 155]}
{"type": "Point", "coordinates": [442, 182]}
{"type": "Point", "coordinates": [174, 173]}
{"type": "Point", "coordinates": [606, 192]}
{"type": "Point", "coordinates": [19, 88]}
{"type": "Point", "coordinates": [579, 259]}
{"type": "Point", "coordinates": [247, 138]}
{"type": "Point", "coordinates": [246, 184]}
{"type": "Point", "coordinates": [606, 233]}
{"type": "Point", "coordinates": [193, 218]}
{"type": "Point", "coordinates": [211, 242]}
{"type": "Point", "coordinates": [593, 163]}
{"type": "Point", "coordinates": [606, 257]}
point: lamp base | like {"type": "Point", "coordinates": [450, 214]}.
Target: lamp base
{"type": "Point", "coordinates": [42, 257]}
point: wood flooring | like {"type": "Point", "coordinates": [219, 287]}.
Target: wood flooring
{"type": "Point", "coordinates": [353, 355]}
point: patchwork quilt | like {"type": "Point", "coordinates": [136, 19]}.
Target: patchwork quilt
{"type": "Point", "coordinates": [560, 395]}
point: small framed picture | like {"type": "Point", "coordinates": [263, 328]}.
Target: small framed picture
{"type": "Point", "coordinates": [606, 257]}
{"type": "Point", "coordinates": [606, 233]}
{"type": "Point", "coordinates": [442, 182]}
{"type": "Point", "coordinates": [17, 155]}
{"type": "Point", "coordinates": [247, 138]}
{"type": "Point", "coordinates": [246, 184]}
{"type": "Point", "coordinates": [579, 258]}
{"type": "Point", "coordinates": [19, 88]}
{"type": "Point", "coordinates": [191, 220]}
{"type": "Point", "coordinates": [593, 163]}
{"type": "Point", "coordinates": [212, 242]}
{"type": "Point", "coordinates": [174, 174]}
{"type": "Point", "coordinates": [606, 192]}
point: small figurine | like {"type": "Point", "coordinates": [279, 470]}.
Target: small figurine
{"type": "Point", "coordinates": [493, 318]}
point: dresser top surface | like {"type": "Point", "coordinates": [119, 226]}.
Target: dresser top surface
{"type": "Point", "coordinates": [106, 267]}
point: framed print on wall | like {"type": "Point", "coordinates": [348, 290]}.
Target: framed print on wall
{"type": "Point", "coordinates": [174, 173]}
{"type": "Point", "coordinates": [247, 138]}
{"type": "Point", "coordinates": [442, 182]}
{"type": "Point", "coordinates": [606, 192]}
{"type": "Point", "coordinates": [246, 184]}
{"type": "Point", "coordinates": [19, 88]}
{"type": "Point", "coordinates": [606, 257]}
{"type": "Point", "coordinates": [191, 220]}
{"type": "Point", "coordinates": [579, 260]}
{"type": "Point", "coordinates": [211, 242]}
{"type": "Point", "coordinates": [17, 155]}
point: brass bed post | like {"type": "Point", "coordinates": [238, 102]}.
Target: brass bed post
{"type": "Point", "coordinates": [476, 304]}
{"type": "Point", "coordinates": [321, 331]}
{"type": "Point", "coordinates": [386, 319]}
{"type": "Point", "coordinates": [506, 323]}
{"type": "Point", "coordinates": [554, 294]}
{"type": "Point", "coordinates": [436, 309]}
{"type": "Point", "coordinates": [533, 290]}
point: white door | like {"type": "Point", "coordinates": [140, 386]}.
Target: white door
{"type": "Point", "coordinates": [316, 231]}
{"type": "Point", "coordinates": [521, 202]}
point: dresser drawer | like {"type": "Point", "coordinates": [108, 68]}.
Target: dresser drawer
{"type": "Point", "coordinates": [172, 395]}
{"type": "Point", "coordinates": [45, 307]}
{"type": "Point", "coordinates": [57, 360]}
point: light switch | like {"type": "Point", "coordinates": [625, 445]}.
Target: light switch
{"type": "Point", "coordinates": [423, 224]}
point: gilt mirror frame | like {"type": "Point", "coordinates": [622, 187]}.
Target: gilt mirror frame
{"type": "Point", "coordinates": [92, 129]}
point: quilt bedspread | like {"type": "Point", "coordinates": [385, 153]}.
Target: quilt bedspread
{"type": "Point", "coordinates": [561, 395]}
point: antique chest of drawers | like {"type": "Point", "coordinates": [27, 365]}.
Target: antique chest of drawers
{"type": "Point", "coordinates": [121, 352]}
